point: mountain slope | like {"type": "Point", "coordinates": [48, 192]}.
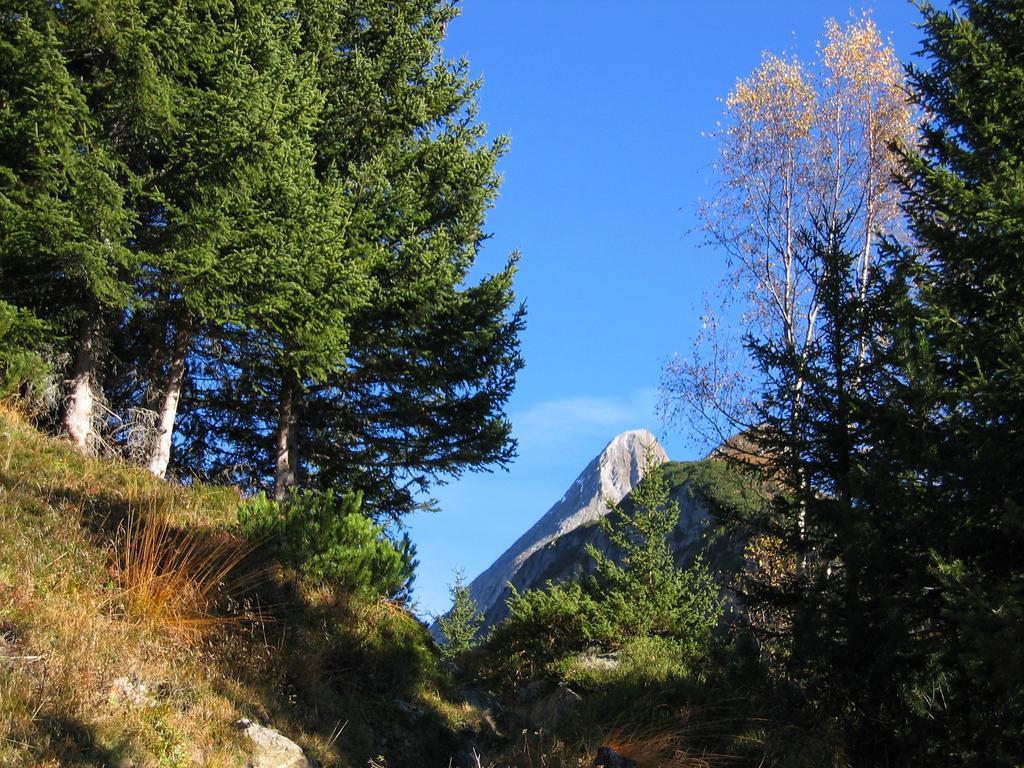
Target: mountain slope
{"type": "Point", "coordinates": [694, 485]}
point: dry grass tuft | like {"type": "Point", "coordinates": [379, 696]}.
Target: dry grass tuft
{"type": "Point", "coordinates": [173, 578]}
{"type": "Point", "coordinates": [666, 745]}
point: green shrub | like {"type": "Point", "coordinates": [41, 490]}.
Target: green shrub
{"type": "Point", "coordinates": [260, 518]}
{"type": "Point", "coordinates": [543, 627]}
{"type": "Point", "coordinates": [326, 538]}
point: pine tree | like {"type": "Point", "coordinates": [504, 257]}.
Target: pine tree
{"type": "Point", "coordinates": [459, 627]}
{"type": "Point", "coordinates": [408, 388]}
{"type": "Point", "coordinates": [850, 600]}
{"type": "Point", "coordinates": [965, 203]}
{"type": "Point", "coordinates": [903, 464]}
{"type": "Point", "coordinates": [432, 360]}
{"type": "Point", "coordinates": [891, 431]}
{"type": "Point", "coordinates": [238, 227]}
{"type": "Point", "coordinates": [64, 222]}
{"type": "Point", "coordinates": [297, 281]}
{"type": "Point", "coordinates": [23, 371]}
{"type": "Point", "coordinates": [640, 591]}
{"type": "Point", "coordinates": [256, 222]}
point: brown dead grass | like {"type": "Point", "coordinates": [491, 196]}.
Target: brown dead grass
{"type": "Point", "coordinates": [666, 745]}
{"type": "Point", "coordinates": [173, 578]}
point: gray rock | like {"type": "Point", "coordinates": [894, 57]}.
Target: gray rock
{"type": "Point", "coordinates": [609, 758]}
{"type": "Point", "coordinates": [489, 711]}
{"type": "Point", "coordinates": [480, 699]}
{"type": "Point", "coordinates": [132, 691]}
{"type": "Point", "coordinates": [554, 708]}
{"type": "Point", "coordinates": [271, 749]}
{"type": "Point", "coordinates": [411, 711]}
{"type": "Point", "coordinates": [534, 690]}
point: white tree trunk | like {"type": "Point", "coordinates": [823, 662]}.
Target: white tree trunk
{"type": "Point", "coordinates": [285, 440]}
{"type": "Point", "coordinates": [79, 410]}
{"type": "Point", "coordinates": [160, 456]}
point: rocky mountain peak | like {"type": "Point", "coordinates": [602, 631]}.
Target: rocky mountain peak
{"type": "Point", "coordinates": [611, 475]}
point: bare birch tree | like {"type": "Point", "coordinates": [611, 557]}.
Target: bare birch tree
{"type": "Point", "coordinates": [802, 147]}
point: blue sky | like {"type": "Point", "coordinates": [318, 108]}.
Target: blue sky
{"type": "Point", "coordinates": [605, 104]}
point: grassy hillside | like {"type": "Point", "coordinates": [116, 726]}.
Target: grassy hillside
{"type": "Point", "coordinates": [129, 642]}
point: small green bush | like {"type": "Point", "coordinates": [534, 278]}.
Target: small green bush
{"type": "Point", "coordinates": [543, 627]}
{"type": "Point", "coordinates": [325, 536]}
{"type": "Point", "coordinates": [260, 518]}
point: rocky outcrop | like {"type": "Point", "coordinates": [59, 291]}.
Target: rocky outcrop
{"type": "Point", "coordinates": [554, 708]}
{"type": "Point", "coordinates": [611, 475]}
{"type": "Point", "coordinates": [270, 749]}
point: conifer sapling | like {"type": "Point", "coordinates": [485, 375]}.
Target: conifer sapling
{"type": "Point", "coordinates": [460, 626]}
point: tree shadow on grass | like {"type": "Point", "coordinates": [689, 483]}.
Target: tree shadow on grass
{"type": "Point", "coordinates": [68, 742]}
{"type": "Point", "coordinates": [353, 675]}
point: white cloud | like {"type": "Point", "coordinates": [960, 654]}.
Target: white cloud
{"type": "Point", "coordinates": [550, 422]}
